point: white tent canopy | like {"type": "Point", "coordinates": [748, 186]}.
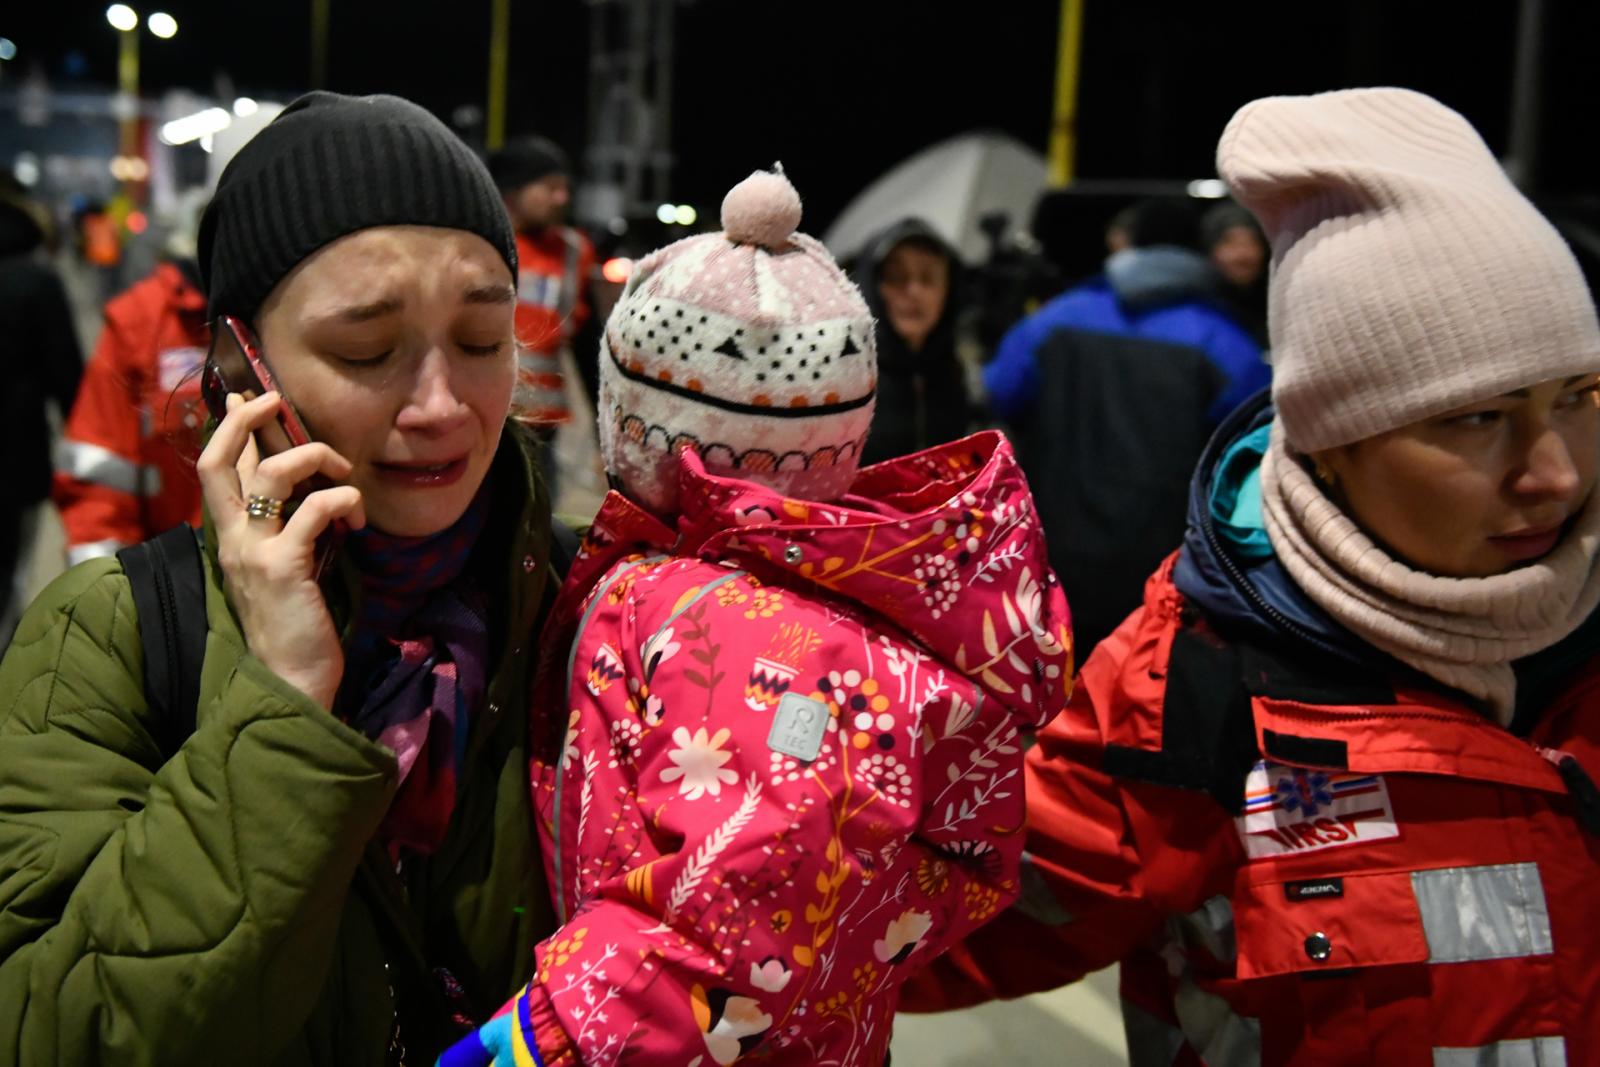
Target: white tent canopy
{"type": "Point", "coordinates": [950, 186]}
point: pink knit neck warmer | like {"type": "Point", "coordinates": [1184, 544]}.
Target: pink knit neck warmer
{"type": "Point", "coordinates": [1465, 632]}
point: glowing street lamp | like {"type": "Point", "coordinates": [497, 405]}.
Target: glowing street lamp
{"type": "Point", "coordinates": [125, 20]}
{"type": "Point", "coordinates": [194, 127]}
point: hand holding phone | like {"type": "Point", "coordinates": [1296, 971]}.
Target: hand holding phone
{"type": "Point", "coordinates": [236, 364]}
{"type": "Point", "coordinates": [272, 563]}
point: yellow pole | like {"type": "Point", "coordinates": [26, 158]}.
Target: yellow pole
{"type": "Point", "coordinates": [128, 84]}
{"type": "Point", "coordinates": [499, 51]}
{"type": "Point", "coordinates": [319, 44]}
{"type": "Point", "coordinates": [1064, 128]}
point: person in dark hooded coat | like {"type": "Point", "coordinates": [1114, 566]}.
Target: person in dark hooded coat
{"type": "Point", "coordinates": [1238, 249]}
{"type": "Point", "coordinates": [911, 279]}
{"type": "Point", "coordinates": [41, 364]}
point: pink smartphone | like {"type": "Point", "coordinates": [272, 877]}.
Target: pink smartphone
{"type": "Point", "coordinates": [236, 364]}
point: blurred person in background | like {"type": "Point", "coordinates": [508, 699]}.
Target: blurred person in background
{"type": "Point", "coordinates": [42, 364]}
{"type": "Point", "coordinates": [1111, 391]}
{"type": "Point", "coordinates": [553, 284]}
{"type": "Point", "coordinates": [911, 280]}
{"type": "Point", "coordinates": [1238, 249]}
{"type": "Point", "coordinates": [1329, 794]}
{"type": "Point", "coordinates": [99, 245]}
{"type": "Point", "coordinates": [1119, 231]}
{"type": "Point", "coordinates": [125, 465]}
{"type": "Point", "coordinates": [1160, 288]}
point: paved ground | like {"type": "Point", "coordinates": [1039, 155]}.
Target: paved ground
{"type": "Point", "coordinates": [1079, 1026]}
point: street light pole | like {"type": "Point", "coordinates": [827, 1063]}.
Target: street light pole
{"type": "Point", "coordinates": [129, 166]}
{"type": "Point", "coordinates": [499, 54]}
{"type": "Point", "coordinates": [319, 44]}
{"type": "Point", "coordinates": [1064, 128]}
{"type": "Point", "coordinates": [128, 84]}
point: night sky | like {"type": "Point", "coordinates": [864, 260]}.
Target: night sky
{"type": "Point", "coordinates": [842, 90]}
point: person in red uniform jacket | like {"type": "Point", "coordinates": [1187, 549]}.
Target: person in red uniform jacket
{"type": "Point", "coordinates": [556, 262]}
{"type": "Point", "coordinates": [1328, 796]}
{"type": "Point", "coordinates": [125, 465]}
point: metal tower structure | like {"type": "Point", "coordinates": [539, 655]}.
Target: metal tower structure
{"type": "Point", "coordinates": [628, 162]}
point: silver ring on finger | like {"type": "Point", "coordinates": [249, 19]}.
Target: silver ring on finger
{"type": "Point", "coordinates": [264, 507]}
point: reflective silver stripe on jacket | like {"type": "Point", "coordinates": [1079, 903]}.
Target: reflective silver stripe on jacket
{"type": "Point", "coordinates": [101, 466]}
{"type": "Point", "coordinates": [1483, 913]}
{"type": "Point", "coordinates": [93, 550]}
{"type": "Point", "coordinates": [531, 393]}
{"type": "Point", "coordinates": [1216, 1032]}
{"type": "Point", "coordinates": [1207, 1022]}
{"type": "Point", "coordinates": [1211, 927]}
{"type": "Point", "coordinates": [1528, 1052]}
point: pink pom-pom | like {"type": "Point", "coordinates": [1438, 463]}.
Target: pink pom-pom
{"type": "Point", "coordinates": [762, 210]}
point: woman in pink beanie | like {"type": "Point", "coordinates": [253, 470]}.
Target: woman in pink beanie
{"type": "Point", "coordinates": [1329, 794]}
{"type": "Point", "coordinates": [783, 698]}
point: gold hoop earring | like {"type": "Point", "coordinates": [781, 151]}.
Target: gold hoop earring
{"type": "Point", "coordinates": [1324, 473]}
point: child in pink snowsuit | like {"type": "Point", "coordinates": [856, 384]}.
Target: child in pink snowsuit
{"type": "Point", "coordinates": [782, 762]}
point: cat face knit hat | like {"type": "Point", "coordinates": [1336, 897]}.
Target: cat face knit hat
{"type": "Point", "coordinates": [1409, 276]}
{"type": "Point", "coordinates": [749, 346]}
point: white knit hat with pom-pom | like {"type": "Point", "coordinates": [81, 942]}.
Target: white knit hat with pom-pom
{"type": "Point", "coordinates": [749, 346]}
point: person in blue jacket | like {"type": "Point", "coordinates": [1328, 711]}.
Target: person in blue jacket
{"type": "Point", "coordinates": [1161, 289]}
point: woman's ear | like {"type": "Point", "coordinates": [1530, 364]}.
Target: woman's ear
{"type": "Point", "coordinates": [1331, 467]}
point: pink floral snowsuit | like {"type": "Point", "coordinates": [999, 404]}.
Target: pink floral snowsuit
{"type": "Point", "coordinates": [723, 895]}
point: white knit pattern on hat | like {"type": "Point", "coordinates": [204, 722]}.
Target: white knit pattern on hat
{"type": "Point", "coordinates": [759, 356]}
{"type": "Point", "coordinates": [1409, 276]}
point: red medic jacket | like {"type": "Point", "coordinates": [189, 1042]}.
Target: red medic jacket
{"type": "Point", "coordinates": [1299, 859]}
{"type": "Point", "coordinates": [125, 465]}
{"type": "Point", "coordinates": [553, 303]}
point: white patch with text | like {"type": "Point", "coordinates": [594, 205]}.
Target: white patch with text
{"type": "Point", "coordinates": [1289, 810]}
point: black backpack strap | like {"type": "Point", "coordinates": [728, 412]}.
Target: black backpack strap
{"type": "Point", "coordinates": [167, 576]}
{"type": "Point", "coordinates": [1208, 740]}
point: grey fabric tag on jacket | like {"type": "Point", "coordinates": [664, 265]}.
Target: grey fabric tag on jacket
{"type": "Point", "coordinates": [798, 727]}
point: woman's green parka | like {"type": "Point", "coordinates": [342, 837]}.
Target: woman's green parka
{"type": "Point", "coordinates": [228, 905]}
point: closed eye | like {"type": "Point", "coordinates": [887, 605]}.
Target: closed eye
{"type": "Point", "coordinates": [365, 360]}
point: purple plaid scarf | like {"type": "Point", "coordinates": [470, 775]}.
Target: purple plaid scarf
{"type": "Point", "coordinates": [420, 644]}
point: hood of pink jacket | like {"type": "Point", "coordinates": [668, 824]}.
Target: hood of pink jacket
{"type": "Point", "coordinates": [944, 545]}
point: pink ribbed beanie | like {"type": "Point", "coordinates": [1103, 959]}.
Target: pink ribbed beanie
{"type": "Point", "coordinates": [1409, 276]}
{"type": "Point", "coordinates": [749, 346]}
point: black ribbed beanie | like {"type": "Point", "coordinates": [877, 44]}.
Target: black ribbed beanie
{"type": "Point", "coordinates": [330, 165]}
{"type": "Point", "coordinates": [526, 159]}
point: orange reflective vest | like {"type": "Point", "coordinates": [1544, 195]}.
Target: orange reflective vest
{"type": "Point", "coordinates": [125, 465]}
{"type": "Point", "coordinates": [552, 305]}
